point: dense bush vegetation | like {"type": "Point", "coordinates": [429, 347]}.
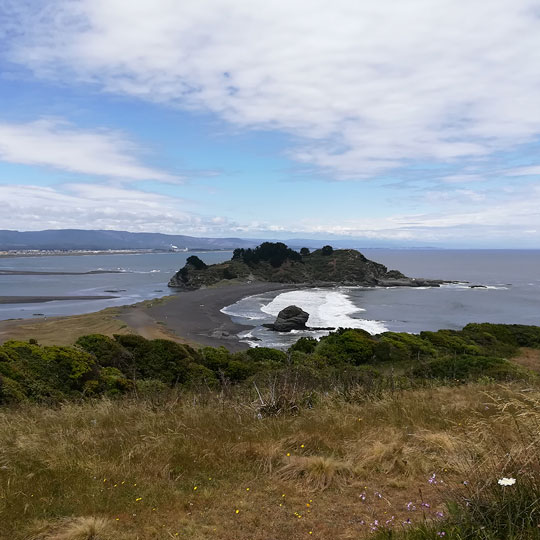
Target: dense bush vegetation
{"type": "Point", "coordinates": [276, 253]}
{"type": "Point", "coordinates": [102, 365]}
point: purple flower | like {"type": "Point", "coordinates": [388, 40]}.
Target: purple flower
{"type": "Point", "coordinates": [441, 533]}
{"type": "Point", "coordinates": [426, 505]}
{"type": "Point", "coordinates": [439, 514]}
{"type": "Point", "coordinates": [432, 479]}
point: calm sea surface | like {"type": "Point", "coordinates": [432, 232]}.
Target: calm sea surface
{"type": "Point", "coordinates": [141, 277]}
{"type": "Point", "coordinates": [512, 294]}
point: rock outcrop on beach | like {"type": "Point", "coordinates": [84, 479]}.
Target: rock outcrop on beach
{"type": "Point", "coordinates": [275, 262]}
{"type": "Point", "coordinates": [290, 318]}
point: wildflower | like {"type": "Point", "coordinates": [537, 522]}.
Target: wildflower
{"type": "Point", "coordinates": [138, 499]}
{"type": "Point", "coordinates": [407, 521]}
{"type": "Point", "coordinates": [426, 505]}
{"type": "Point", "coordinates": [439, 514]}
{"type": "Point", "coordinates": [288, 454]}
{"type": "Point", "coordinates": [377, 494]}
{"type": "Point", "coordinates": [237, 511]}
{"type": "Point", "coordinates": [362, 496]}
{"type": "Point", "coordinates": [441, 533]}
{"type": "Point", "coordinates": [195, 488]}
{"type": "Point", "coordinates": [301, 446]}
{"type": "Point", "coordinates": [247, 489]}
{"type": "Point", "coordinates": [506, 481]}
{"type": "Point", "coordinates": [465, 482]}
{"type": "Point", "coordinates": [432, 479]}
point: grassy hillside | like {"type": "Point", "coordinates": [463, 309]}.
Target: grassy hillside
{"type": "Point", "coordinates": [355, 436]}
{"type": "Point", "coordinates": [206, 465]}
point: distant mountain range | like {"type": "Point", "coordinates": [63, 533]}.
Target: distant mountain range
{"type": "Point", "coordinates": [79, 239]}
{"type": "Point", "coordinates": [76, 239]}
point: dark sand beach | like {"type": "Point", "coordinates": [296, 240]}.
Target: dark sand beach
{"type": "Point", "coordinates": [56, 273]}
{"type": "Point", "coordinates": [191, 316]}
{"type": "Point", "coordinates": [196, 316]}
{"type": "Point", "coordinates": [40, 299]}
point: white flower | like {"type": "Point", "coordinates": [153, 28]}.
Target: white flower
{"type": "Point", "coordinates": [507, 481]}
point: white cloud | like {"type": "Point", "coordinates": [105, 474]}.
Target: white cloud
{"type": "Point", "coordinates": [97, 206]}
{"type": "Point", "coordinates": [368, 86]}
{"type": "Point", "coordinates": [525, 171]}
{"type": "Point", "coordinates": [55, 143]}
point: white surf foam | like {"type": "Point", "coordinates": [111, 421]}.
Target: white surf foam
{"type": "Point", "coordinates": [326, 308]}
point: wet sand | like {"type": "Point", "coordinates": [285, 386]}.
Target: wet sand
{"type": "Point", "coordinates": [55, 273]}
{"type": "Point", "coordinates": [40, 299]}
{"type": "Point", "coordinates": [196, 316]}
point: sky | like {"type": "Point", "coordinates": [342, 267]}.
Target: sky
{"type": "Point", "coordinates": [410, 123]}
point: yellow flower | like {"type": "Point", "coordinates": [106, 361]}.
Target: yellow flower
{"type": "Point", "coordinates": [237, 511]}
{"type": "Point", "coordinates": [195, 488]}
{"type": "Point", "coordinates": [288, 454]}
{"type": "Point", "coordinates": [301, 446]}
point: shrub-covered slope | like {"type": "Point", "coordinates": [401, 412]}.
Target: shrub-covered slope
{"type": "Point", "coordinates": [99, 365]}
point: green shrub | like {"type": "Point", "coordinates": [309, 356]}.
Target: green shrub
{"type": "Point", "coordinates": [304, 344]}
{"type": "Point", "coordinates": [264, 354]}
{"type": "Point", "coordinates": [448, 341]}
{"type": "Point", "coordinates": [347, 346]}
{"type": "Point", "coordinates": [158, 358]}
{"type": "Point", "coordinates": [469, 367]}
{"type": "Point", "coordinates": [113, 381]}
{"type": "Point", "coordinates": [107, 351]}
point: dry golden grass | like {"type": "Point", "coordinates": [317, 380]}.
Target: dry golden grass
{"type": "Point", "coordinates": [63, 330]}
{"type": "Point", "coordinates": [205, 466]}
{"type": "Point", "coordinates": [132, 319]}
{"type": "Point", "coordinates": [82, 528]}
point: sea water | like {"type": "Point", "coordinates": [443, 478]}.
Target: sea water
{"type": "Point", "coordinates": [140, 276]}
{"type": "Point", "coordinates": [510, 293]}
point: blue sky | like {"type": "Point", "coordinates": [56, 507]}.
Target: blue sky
{"type": "Point", "coordinates": [414, 123]}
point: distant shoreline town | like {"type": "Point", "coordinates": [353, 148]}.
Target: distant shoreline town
{"type": "Point", "coordinates": [71, 252]}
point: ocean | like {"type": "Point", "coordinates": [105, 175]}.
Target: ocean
{"type": "Point", "coordinates": [511, 294]}
{"type": "Point", "coordinates": [140, 276]}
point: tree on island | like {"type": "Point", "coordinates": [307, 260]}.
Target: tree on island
{"type": "Point", "coordinates": [276, 253]}
{"type": "Point", "coordinates": [196, 262]}
{"type": "Point", "coordinates": [327, 250]}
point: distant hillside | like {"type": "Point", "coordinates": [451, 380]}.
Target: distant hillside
{"type": "Point", "coordinates": [66, 239]}
{"type": "Point", "coordinates": [275, 262]}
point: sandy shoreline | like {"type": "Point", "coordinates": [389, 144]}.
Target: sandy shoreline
{"type": "Point", "coordinates": [55, 273]}
{"type": "Point", "coordinates": [196, 316]}
{"type": "Point", "coordinates": [41, 299]}
{"type": "Point", "coordinates": [192, 316]}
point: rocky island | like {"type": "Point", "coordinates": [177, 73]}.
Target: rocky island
{"type": "Point", "coordinates": [274, 262]}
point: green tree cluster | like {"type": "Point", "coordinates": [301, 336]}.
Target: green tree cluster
{"type": "Point", "coordinates": [275, 253]}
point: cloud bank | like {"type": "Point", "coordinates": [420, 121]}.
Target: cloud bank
{"type": "Point", "coordinates": [56, 144]}
{"type": "Point", "coordinates": [367, 87]}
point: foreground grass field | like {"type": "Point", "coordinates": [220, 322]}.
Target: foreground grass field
{"type": "Point", "coordinates": [210, 464]}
